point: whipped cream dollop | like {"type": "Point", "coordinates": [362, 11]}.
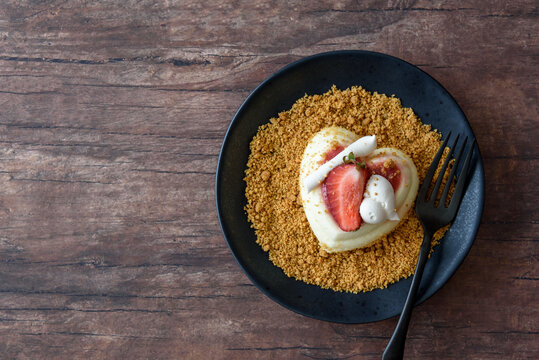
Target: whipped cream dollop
{"type": "Point", "coordinates": [378, 203]}
{"type": "Point", "coordinates": [362, 147]}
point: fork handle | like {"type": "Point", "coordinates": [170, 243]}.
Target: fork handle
{"type": "Point", "coordinates": [395, 347]}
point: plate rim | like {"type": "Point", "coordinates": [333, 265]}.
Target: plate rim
{"type": "Point", "coordinates": [233, 123]}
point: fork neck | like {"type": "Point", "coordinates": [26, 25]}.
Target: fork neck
{"type": "Point", "coordinates": [429, 229]}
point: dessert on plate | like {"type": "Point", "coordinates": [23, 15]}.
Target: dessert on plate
{"type": "Point", "coordinates": [353, 193]}
{"type": "Point", "coordinates": [340, 219]}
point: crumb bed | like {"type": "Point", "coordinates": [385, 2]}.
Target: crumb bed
{"type": "Point", "coordinates": [274, 205]}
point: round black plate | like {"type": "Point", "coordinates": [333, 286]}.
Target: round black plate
{"type": "Point", "coordinates": [315, 75]}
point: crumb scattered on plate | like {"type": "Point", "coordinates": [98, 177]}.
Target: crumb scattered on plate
{"type": "Point", "coordinates": [274, 206]}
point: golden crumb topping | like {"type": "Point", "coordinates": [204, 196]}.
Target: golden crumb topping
{"type": "Point", "coordinates": [274, 205]}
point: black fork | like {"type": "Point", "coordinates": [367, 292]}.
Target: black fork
{"type": "Point", "coordinates": [432, 217]}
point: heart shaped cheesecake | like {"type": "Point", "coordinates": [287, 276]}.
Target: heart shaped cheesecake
{"type": "Point", "coordinates": [353, 193]}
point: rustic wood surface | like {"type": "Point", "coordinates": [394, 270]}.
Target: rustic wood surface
{"type": "Point", "coordinates": [112, 115]}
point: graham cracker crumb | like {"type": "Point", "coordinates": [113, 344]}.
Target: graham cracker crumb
{"type": "Point", "coordinates": [274, 206]}
{"type": "Point", "coordinates": [265, 175]}
{"type": "Point", "coordinates": [389, 163]}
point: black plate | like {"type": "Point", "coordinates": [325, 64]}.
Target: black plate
{"type": "Point", "coordinates": [315, 75]}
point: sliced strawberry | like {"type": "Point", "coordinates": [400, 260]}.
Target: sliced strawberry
{"type": "Point", "coordinates": [332, 153]}
{"type": "Point", "coordinates": [387, 168]}
{"type": "Point", "coordinates": [343, 192]}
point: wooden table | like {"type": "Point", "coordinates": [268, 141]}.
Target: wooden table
{"type": "Point", "coordinates": [112, 114]}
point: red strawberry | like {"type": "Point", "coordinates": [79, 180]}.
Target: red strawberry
{"type": "Point", "coordinates": [343, 192]}
{"type": "Point", "coordinates": [387, 168]}
{"type": "Point", "coordinates": [332, 153]}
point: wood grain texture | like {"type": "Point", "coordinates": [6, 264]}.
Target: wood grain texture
{"type": "Point", "coordinates": [112, 115]}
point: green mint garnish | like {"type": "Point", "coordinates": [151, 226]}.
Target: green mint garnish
{"type": "Point", "coordinates": [351, 159]}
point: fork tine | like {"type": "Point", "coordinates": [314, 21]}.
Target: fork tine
{"type": "Point", "coordinates": [422, 193]}
{"type": "Point", "coordinates": [442, 171]}
{"type": "Point", "coordinates": [459, 187]}
{"type": "Point", "coordinates": [452, 174]}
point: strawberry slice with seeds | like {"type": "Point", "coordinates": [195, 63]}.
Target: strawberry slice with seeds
{"type": "Point", "coordinates": [333, 152]}
{"type": "Point", "coordinates": [343, 192]}
{"type": "Point", "coordinates": [388, 168]}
